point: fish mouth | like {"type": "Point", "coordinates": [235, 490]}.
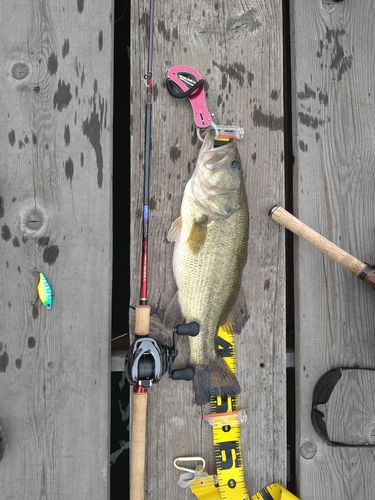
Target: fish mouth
{"type": "Point", "coordinates": [216, 196]}
{"type": "Point", "coordinates": [213, 156]}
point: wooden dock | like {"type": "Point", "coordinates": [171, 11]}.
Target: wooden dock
{"type": "Point", "coordinates": [318, 108]}
{"type": "Point", "coordinates": [298, 77]}
{"type": "Point", "coordinates": [333, 95]}
{"type": "Point", "coordinates": [238, 49]}
{"type": "Point", "coordinates": [55, 215]}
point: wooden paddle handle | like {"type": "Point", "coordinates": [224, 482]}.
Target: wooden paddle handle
{"type": "Point", "coordinates": [350, 263]}
{"type": "Point", "coordinates": [138, 446]}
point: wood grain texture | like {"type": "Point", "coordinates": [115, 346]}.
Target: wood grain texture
{"type": "Point", "coordinates": [138, 449]}
{"type": "Point", "coordinates": [334, 180]}
{"type": "Point", "coordinates": [237, 48]}
{"type": "Point", "coordinates": [55, 216]}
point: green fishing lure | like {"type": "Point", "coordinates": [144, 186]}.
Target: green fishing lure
{"type": "Point", "coordinates": [45, 291]}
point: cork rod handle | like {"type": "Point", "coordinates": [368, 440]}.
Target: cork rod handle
{"type": "Point", "coordinates": [139, 416]}
{"type": "Point", "coordinates": [142, 320]}
{"type": "Point", "coordinates": [350, 263]}
{"type": "Point", "coordinates": [138, 446]}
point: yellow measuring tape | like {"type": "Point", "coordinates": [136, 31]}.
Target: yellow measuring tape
{"type": "Point", "coordinates": [226, 419]}
{"type": "Point", "coordinates": [205, 489]}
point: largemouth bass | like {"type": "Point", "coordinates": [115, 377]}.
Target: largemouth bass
{"type": "Point", "coordinates": [210, 252]}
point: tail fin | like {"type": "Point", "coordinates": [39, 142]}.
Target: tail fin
{"type": "Point", "coordinates": [215, 379]}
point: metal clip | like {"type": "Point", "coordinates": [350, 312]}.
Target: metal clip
{"type": "Point", "coordinates": [190, 474]}
{"type": "Point", "coordinates": [198, 468]}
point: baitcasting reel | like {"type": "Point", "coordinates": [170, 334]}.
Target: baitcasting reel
{"type": "Point", "coordinates": [147, 359]}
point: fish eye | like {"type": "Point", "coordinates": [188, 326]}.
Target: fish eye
{"type": "Point", "coordinates": [236, 165]}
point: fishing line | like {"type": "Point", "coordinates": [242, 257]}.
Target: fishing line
{"type": "Point", "coordinates": [119, 337]}
{"type": "Point", "coordinates": [123, 13]}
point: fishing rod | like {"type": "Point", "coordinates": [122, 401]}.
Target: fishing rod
{"type": "Point", "coordinates": [361, 270]}
{"type": "Point", "coordinates": [142, 311]}
{"type": "Point", "coordinates": [147, 359]}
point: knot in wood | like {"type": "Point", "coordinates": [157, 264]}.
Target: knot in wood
{"type": "Point", "coordinates": [329, 6]}
{"type": "Point", "coordinates": [20, 70]}
{"type": "Point", "coordinates": [308, 450]}
{"type": "Point", "coordinates": [32, 221]}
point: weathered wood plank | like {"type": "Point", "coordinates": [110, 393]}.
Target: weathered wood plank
{"type": "Point", "coordinates": [335, 155]}
{"type": "Point", "coordinates": [55, 189]}
{"type": "Point", "coordinates": [237, 47]}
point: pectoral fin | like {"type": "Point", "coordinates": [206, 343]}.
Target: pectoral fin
{"type": "Point", "coordinates": [175, 230]}
{"type": "Point", "coordinates": [197, 236]}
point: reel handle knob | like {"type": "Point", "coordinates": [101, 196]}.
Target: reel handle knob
{"type": "Point", "coordinates": [191, 329]}
{"type": "Point", "coordinates": [183, 374]}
